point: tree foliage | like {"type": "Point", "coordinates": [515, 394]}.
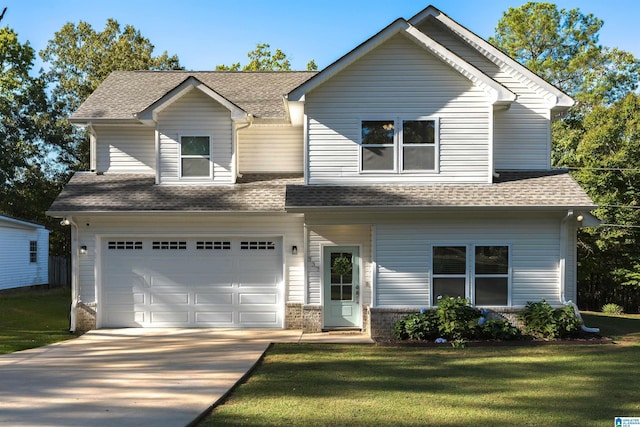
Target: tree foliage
{"type": "Point", "coordinates": [562, 47]}
{"type": "Point", "coordinates": [261, 59]}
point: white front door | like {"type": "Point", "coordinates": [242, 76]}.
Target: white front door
{"type": "Point", "coordinates": [341, 287]}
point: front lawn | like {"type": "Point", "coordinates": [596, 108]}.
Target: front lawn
{"type": "Point", "coordinates": [33, 317]}
{"type": "Point", "coordinates": [346, 385]}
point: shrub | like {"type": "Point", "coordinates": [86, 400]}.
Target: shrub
{"type": "Point", "coordinates": [419, 326]}
{"type": "Point", "coordinates": [498, 329]}
{"type": "Point", "coordinates": [612, 308]}
{"type": "Point", "coordinates": [457, 318]}
{"type": "Point", "coordinates": [543, 321]}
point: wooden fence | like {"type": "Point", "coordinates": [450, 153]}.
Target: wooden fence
{"type": "Point", "coordinates": [59, 271]}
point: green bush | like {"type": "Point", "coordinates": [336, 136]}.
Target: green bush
{"type": "Point", "coordinates": [499, 329]}
{"type": "Point", "coordinates": [543, 321]}
{"type": "Point", "coordinates": [612, 308]}
{"type": "Point", "coordinates": [457, 319]}
{"type": "Point", "coordinates": [421, 326]}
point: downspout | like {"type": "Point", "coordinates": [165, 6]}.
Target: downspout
{"type": "Point", "coordinates": [75, 272]}
{"type": "Point", "coordinates": [237, 144]}
{"type": "Point", "coordinates": [564, 230]}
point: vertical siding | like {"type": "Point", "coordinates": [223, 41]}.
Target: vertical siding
{"type": "Point", "coordinates": [522, 133]}
{"type": "Point", "coordinates": [125, 149]}
{"type": "Point", "coordinates": [404, 256]}
{"type": "Point", "coordinates": [195, 114]}
{"type": "Point", "coordinates": [289, 226]}
{"type": "Point", "coordinates": [16, 270]}
{"type": "Point", "coordinates": [337, 235]}
{"type": "Point", "coordinates": [270, 148]}
{"type": "Point", "coordinates": [398, 79]}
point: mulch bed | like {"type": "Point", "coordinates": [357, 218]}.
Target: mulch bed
{"type": "Point", "coordinates": [580, 339]}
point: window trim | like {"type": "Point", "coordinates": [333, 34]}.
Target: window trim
{"type": "Point", "coordinates": [33, 251]}
{"type": "Point", "coordinates": [398, 145]}
{"type": "Point", "coordinates": [181, 157]}
{"type": "Point", "coordinates": [470, 274]}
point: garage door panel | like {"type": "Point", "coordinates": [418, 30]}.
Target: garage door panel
{"type": "Point", "coordinates": [169, 298]}
{"type": "Point", "coordinates": [174, 317]}
{"type": "Point", "coordinates": [215, 318]}
{"type": "Point", "coordinates": [258, 298]}
{"type": "Point", "coordinates": [204, 283]}
{"type": "Point", "coordinates": [214, 298]}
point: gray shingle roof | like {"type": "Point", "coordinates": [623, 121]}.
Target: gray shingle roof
{"type": "Point", "coordinates": [511, 189]}
{"type": "Point", "coordinates": [87, 192]}
{"type": "Point", "coordinates": [124, 93]}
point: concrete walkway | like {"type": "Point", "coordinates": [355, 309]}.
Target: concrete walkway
{"type": "Point", "coordinates": [134, 377]}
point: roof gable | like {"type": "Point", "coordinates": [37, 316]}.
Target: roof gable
{"type": "Point", "coordinates": [150, 114]}
{"type": "Point", "coordinates": [561, 100]}
{"type": "Point", "coordinates": [500, 95]}
{"type": "Point", "coordinates": [7, 221]}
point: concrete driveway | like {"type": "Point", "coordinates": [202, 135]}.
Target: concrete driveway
{"type": "Point", "coordinates": [129, 377]}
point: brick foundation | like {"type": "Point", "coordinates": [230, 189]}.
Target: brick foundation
{"type": "Point", "coordinates": [312, 319]}
{"type": "Point", "coordinates": [85, 317]}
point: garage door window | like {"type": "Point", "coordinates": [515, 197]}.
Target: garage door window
{"type": "Point", "coordinates": [127, 245]}
{"type": "Point", "coordinates": [213, 245]}
{"type": "Point", "coordinates": [169, 245]}
{"type": "Point", "coordinates": [257, 245]}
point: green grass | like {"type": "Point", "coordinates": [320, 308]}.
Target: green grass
{"type": "Point", "coordinates": [33, 317]}
{"type": "Point", "coordinates": [363, 385]}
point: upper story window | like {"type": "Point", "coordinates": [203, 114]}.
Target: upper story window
{"type": "Point", "coordinates": [195, 156]}
{"type": "Point", "coordinates": [399, 145]}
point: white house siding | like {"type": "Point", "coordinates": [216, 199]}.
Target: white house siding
{"type": "Point", "coordinates": [195, 114]}
{"type": "Point", "coordinates": [337, 235]}
{"type": "Point", "coordinates": [125, 149]}
{"type": "Point", "coordinates": [397, 79]}
{"type": "Point", "coordinates": [288, 226]}
{"type": "Point", "coordinates": [403, 254]}
{"type": "Point", "coordinates": [522, 133]}
{"type": "Point", "coordinates": [270, 148]}
{"type": "Point", "coordinates": [16, 270]}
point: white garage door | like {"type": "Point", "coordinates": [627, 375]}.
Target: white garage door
{"type": "Point", "coordinates": [192, 282]}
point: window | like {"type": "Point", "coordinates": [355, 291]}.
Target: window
{"type": "Point", "coordinates": [257, 245]}
{"type": "Point", "coordinates": [33, 251]}
{"type": "Point", "coordinates": [195, 156]}
{"type": "Point", "coordinates": [124, 245]}
{"type": "Point", "coordinates": [487, 284]}
{"type": "Point", "coordinates": [491, 275]}
{"type": "Point", "coordinates": [399, 145]}
{"type": "Point", "coordinates": [213, 245]}
{"type": "Point", "coordinates": [169, 245]}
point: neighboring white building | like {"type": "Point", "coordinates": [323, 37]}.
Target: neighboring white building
{"type": "Point", "coordinates": [421, 159]}
{"type": "Point", "coordinates": [24, 253]}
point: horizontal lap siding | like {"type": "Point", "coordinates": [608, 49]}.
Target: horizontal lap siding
{"type": "Point", "coordinates": [404, 256]}
{"type": "Point", "coordinates": [270, 149]}
{"type": "Point", "coordinates": [521, 133]}
{"type": "Point", "coordinates": [125, 149]}
{"type": "Point", "coordinates": [195, 114]}
{"type": "Point", "coordinates": [398, 79]}
{"type": "Point", "coordinates": [291, 227]}
{"type": "Point", "coordinates": [16, 269]}
{"type": "Point", "coordinates": [320, 236]}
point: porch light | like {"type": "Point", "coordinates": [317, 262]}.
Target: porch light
{"type": "Point", "coordinates": [83, 250]}
{"type": "Point", "coordinates": [294, 250]}
{"type": "Point", "coordinates": [65, 221]}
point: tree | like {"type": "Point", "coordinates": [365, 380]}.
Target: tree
{"type": "Point", "coordinates": [261, 59]}
{"type": "Point", "coordinates": [81, 58]}
{"type": "Point", "coordinates": [562, 47]}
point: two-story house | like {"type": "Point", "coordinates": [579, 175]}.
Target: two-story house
{"type": "Point", "coordinates": [417, 165]}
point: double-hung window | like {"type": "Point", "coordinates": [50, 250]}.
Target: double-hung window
{"type": "Point", "coordinates": [399, 145]}
{"type": "Point", "coordinates": [195, 157]}
{"type": "Point", "coordinates": [33, 251]}
{"type": "Point", "coordinates": [479, 273]}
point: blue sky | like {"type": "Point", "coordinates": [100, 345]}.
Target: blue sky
{"type": "Point", "coordinates": [204, 33]}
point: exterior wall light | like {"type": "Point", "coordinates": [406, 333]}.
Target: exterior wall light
{"type": "Point", "coordinates": [294, 250]}
{"type": "Point", "coordinates": [83, 250]}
